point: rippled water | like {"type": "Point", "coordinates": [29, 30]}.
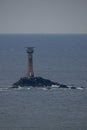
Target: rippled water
{"type": "Point", "coordinates": [37, 108]}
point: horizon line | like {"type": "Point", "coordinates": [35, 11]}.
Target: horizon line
{"type": "Point", "coordinates": [43, 33]}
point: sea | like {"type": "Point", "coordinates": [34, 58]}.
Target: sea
{"type": "Point", "coordinates": [58, 57]}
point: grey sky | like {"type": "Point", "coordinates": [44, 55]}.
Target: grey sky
{"type": "Point", "coordinates": [43, 16]}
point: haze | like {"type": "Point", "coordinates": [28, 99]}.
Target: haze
{"type": "Point", "coordinates": [43, 16]}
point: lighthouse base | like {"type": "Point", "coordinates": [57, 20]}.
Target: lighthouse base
{"type": "Point", "coordinates": [36, 82]}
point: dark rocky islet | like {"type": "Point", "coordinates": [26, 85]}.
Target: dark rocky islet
{"type": "Point", "coordinates": [36, 82]}
{"type": "Point", "coordinates": [26, 82]}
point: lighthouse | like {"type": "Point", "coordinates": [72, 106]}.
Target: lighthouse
{"type": "Point", "coordinates": [30, 73]}
{"type": "Point", "coordinates": [30, 80]}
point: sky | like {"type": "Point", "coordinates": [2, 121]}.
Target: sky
{"type": "Point", "coordinates": [43, 16]}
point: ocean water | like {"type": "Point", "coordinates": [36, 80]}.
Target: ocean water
{"type": "Point", "coordinates": [61, 58]}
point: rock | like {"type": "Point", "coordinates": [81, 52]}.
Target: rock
{"type": "Point", "coordinates": [63, 86]}
{"type": "Point", "coordinates": [34, 82]}
{"type": "Point", "coordinates": [73, 87]}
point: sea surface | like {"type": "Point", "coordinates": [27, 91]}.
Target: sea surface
{"type": "Point", "coordinates": [61, 58]}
